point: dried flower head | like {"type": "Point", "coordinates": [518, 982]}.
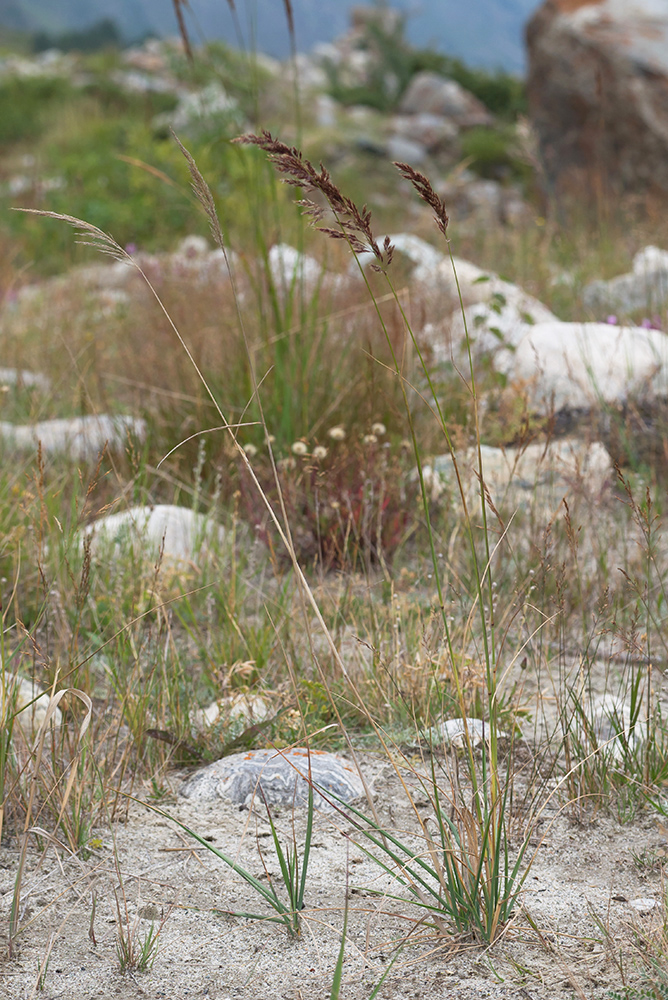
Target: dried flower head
{"type": "Point", "coordinates": [319, 452]}
{"type": "Point", "coordinates": [370, 439]}
{"type": "Point", "coordinates": [250, 450]}
{"type": "Point", "coordinates": [378, 429]}
{"type": "Point", "coordinates": [299, 448]}
{"type": "Point", "coordinates": [354, 223]}
{"type": "Point", "coordinates": [427, 193]}
{"type": "Point", "coordinates": [336, 433]}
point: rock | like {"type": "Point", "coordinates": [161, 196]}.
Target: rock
{"type": "Point", "coordinates": [193, 246]}
{"type": "Point", "coordinates": [405, 150]}
{"type": "Point", "coordinates": [78, 438]}
{"type": "Point", "coordinates": [426, 258]}
{"type": "Point", "coordinates": [144, 532]}
{"type": "Point", "coordinates": [535, 476]}
{"type": "Point", "coordinates": [432, 132]}
{"type": "Point", "coordinates": [282, 775]}
{"type": "Point", "coordinates": [580, 366]}
{"type": "Point", "coordinates": [24, 379]}
{"type": "Point", "coordinates": [288, 267]}
{"type": "Point", "coordinates": [475, 201]}
{"type": "Point", "coordinates": [244, 706]}
{"type": "Point", "coordinates": [498, 313]}
{"type": "Point", "coordinates": [453, 732]}
{"type": "Point", "coordinates": [644, 904]}
{"type": "Point", "coordinates": [31, 703]}
{"type": "Point", "coordinates": [502, 321]}
{"type": "Point", "coordinates": [437, 95]}
{"type": "Point", "coordinates": [326, 111]}
{"type": "Point", "coordinates": [598, 91]}
{"type": "Point", "coordinates": [645, 287]}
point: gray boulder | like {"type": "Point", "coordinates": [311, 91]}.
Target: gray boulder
{"type": "Point", "coordinates": [437, 95]}
{"type": "Point", "coordinates": [282, 776]}
{"type": "Point", "coordinates": [598, 91]}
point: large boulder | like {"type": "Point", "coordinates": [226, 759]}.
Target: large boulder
{"type": "Point", "coordinates": [429, 93]}
{"type": "Point", "coordinates": [598, 92]}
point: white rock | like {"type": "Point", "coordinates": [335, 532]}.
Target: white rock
{"type": "Point", "coordinates": [579, 366]}
{"type": "Point", "coordinates": [18, 377]}
{"type": "Point", "coordinates": [645, 287]}
{"type": "Point", "coordinates": [244, 706]}
{"type": "Point", "coordinates": [180, 533]}
{"type": "Point", "coordinates": [79, 438]}
{"type": "Point", "coordinates": [30, 716]}
{"type": "Point", "coordinates": [537, 475]}
{"type": "Point", "coordinates": [453, 731]}
{"type": "Point", "coordinates": [426, 258]}
{"type": "Point", "coordinates": [644, 904]}
{"type": "Point", "coordinates": [288, 266]}
{"type": "Point", "coordinates": [193, 246]}
{"type": "Point", "coordinates": [503, 321]}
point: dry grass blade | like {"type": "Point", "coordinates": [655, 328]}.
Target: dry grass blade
{"type": "Point", "coordinates": [179, 7]}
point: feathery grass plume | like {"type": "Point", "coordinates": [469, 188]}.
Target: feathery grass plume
{"type": "Point", "coordinates": [427, 193]}
{"type": "Point", "coordinates": [202, 192]}
{"type": "Point", "coordinates": [354, 223]}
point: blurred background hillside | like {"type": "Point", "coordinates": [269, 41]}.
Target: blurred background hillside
{"type": "Point", "coordinates": [458, 29]}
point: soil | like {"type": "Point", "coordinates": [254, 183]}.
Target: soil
{"type": "Point", "coordinates": [584, 876]}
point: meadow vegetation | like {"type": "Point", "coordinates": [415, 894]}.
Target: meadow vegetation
{"type": "Point", "coordinates": [363, 603]}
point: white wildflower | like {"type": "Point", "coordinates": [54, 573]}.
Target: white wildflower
{"type": "Point", "coordinates": [378, 429]}
{"type": "Point", "coordinates": [250, 449]}
{"type": "Point", "coordinates": [319, 452]}
{"type": "Point", "coordinates": [299, 448]}
{"type": "Point", "coordinates": [336, 433]}
{"type": "Point", "coordinates": [370, 439]}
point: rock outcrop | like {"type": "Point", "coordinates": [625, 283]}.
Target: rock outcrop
{"type": "Point", "coordinates": [598, 92]}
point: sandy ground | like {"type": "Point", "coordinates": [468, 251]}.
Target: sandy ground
{"type": "Point", "coordinates": [203, 951]}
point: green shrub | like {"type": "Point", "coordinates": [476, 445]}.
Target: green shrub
{"type": "Point", "coordinates": [26, 106]}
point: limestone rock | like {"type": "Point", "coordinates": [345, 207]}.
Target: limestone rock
{"type": "Point", "coordinates": [79, 438]}
{"type": "Point", "coordinates": [453, 732]}
{"type": "Point", "coordinates": [645, 287]}
{"type": "Point", "coordinates": [282, 775]}
{"type": "Point", "coordinates": [20, 379]}
{"type": "Point", "coordinates": [537, 475]}
{"type": "Point", "coordinates": [427, 130]}
{"type": "Point", "coordinates": [579, 366]}
{"type": "Point", "coordinates": [180, 533]}
{"type": "Point", "coordinates": [31, 703]}
{"type": "Point", "coordinates": [437, 95]}
{"type": "Point", "coordinates": [598, 91]}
